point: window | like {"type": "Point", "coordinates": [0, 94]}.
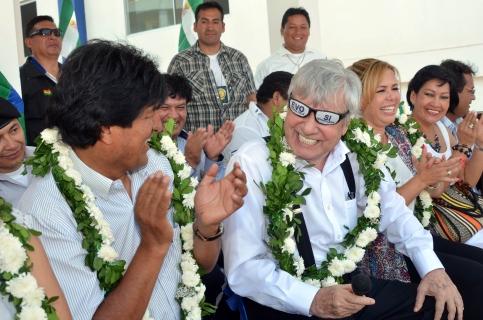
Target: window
{"type": "Point", "coordinates": [28, 10]}
{"type": "Point", "coordinates": [145, 15]}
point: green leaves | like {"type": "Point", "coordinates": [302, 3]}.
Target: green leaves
{"type": "Point", "coordinates": [182, 215]}
{"type": "Point", "coordinates": [45, 159]}
{"type": "Point", "coordinates": [23, 235]}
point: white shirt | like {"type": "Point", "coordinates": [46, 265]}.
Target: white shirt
{"type": "Point", "coordinates": [14, 184]}
{"type": "Point", "coordinates": [216, 69]}
{"type": "Point", "coordinates": [204, 164]}
{"type": "Point", "coordinates": [284, 60]}
{"type": "Point", "coordinates": [452, 126]}
{"type": "Point", "coordinates": [250, 125]}
{"type": "Point", "coordinates": [46, 210]}
{"type": "Point", "coordinates": [249, 265]}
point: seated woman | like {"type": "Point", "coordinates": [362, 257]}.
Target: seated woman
{"type": "Point", "coordinates": [26, 294]}
{"type": "Point", "coordinates": [430, 94]}
{"type": "Point", "coordinates": [379, 106]}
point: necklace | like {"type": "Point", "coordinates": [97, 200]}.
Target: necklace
{"type": "Point", "coordinates": [423, 209]}
{"type": "Point", "coordinates": [285, 191]}
{"type": "Point", "coordinates": [297, 63]}
{"type": "Point", "coordinates": [435, 144]}
{"type": "Point", "coordinates": [52, 154]}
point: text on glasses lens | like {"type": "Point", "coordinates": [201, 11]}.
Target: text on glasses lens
{"type": "Point", "coordinates": [46, 32]}
{"type": "Point", "coordinates": [321, 116]}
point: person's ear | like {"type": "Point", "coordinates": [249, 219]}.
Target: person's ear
{"type": "Point", "coordinates": [106, 136]}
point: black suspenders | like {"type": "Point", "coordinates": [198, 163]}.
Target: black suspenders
{"type": "Point", "coordinates": [302, 238]}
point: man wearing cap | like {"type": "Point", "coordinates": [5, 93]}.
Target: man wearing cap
{"type": "Point", "coordinates": [12, 153]}
{"type": "Point", "coordinates": [40, 72]}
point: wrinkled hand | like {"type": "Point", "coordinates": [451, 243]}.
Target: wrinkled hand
{"type": "Point", "coordinates": [194, 145]}
{"type": "Point", "coordinates": [466, 134]}
{"type": "Point", "coordinates": [152, 205]}
{"type": "Point", "coordinates": [431, 170]}
{"type": "Point", "coordinates": [217, 142]}
{"type": "Point", "coordinates": [438, 284]}
{"type": "Point", "coordinates": [338, 302]}
{"type": "Point", "coordinates": [216, 200]}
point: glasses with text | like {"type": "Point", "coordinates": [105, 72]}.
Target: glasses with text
{"type": "Point", "coordinates": [46, 32]}
{"type": "Point", "coordinates": [321, 116]}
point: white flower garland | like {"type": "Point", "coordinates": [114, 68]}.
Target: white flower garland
{"type": "Point", "coordinates": [106, 252]}
{"type": "Point", "coordinates": [191, 290]}
{"type": "Point", "coordinates": [404, 119]}
{"type": "Point", "coordinates": [337, 263]}
{"type": "Point", "coordinates": [22, 285]}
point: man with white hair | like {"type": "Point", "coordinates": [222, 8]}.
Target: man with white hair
{"type": "Point", "coordinates": [301, 229]}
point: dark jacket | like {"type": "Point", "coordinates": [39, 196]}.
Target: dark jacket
{"type": "Point", "coordinates": [37, 91]}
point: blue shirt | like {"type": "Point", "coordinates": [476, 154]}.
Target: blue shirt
{"type": "Point", "coordinates": [46, 210]}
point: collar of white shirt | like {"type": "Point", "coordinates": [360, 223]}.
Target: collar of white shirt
{"type": "Point", "coordinates": [284, 52]}
{"type": "Point", "coordinates": [334, 159]}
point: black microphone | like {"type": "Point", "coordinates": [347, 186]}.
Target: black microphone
{"type": "Point", "coordinates": [361, 283]}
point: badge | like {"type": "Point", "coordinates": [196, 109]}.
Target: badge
{"type": "Point", "coordinates": [223, 94]}
{"type": "Point", "coordinates": [47, 92]}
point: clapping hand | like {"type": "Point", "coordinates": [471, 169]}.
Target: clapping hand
{"type": "Point", "coordinates": [194, 145]}
{"type": "Point", "coordinates": [217, 142]}
{"type": "Point", "coordinates": [216, 200]}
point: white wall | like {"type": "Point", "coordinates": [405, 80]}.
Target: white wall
{"type": "Point", "coordinates": [406, 33]}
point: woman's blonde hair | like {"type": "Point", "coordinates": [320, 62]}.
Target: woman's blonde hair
{"type": "Point", "coordinates": [370, 72]}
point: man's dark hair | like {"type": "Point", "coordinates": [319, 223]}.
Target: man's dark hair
{"type": "Point", "coordinates": [178, 86]}
{"type": "Point", "coordinates": [293, 12]}
{"type": "Point", "coordinates": [433, 72]}
{"type": "Point", "coordinates": [209, 5]}
{"type": "Point", "coordinates": [103, 83]}
{"type": "Point", "coordinates": [458, 69]}
{"type": "Point", "coordinates": [30, 25]}
{"type": "Point", "coordinates": [277, 81]}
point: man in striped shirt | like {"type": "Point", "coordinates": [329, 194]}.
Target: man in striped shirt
{"type": "Point", "coordinates": [105, 102]}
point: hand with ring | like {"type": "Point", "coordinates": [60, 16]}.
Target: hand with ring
{"type": "Point", "coordinates": [466, 134]}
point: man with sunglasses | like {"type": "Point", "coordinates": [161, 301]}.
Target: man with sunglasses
{"type": "Point", "coordinates": [40, 72]}
{"type": "Point", "coordinates": [322, 95]}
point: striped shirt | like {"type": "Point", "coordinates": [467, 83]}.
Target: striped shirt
{"type": "Point", "coordinates": [206, 108]}
{"type": "Point", "coordinates": [45, 209]}
{"type": "Point", "coordinates": [204, 164]}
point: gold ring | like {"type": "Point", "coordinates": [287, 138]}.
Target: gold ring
{"type": "Point", "coordinates": [449, 173]}
{"type": "Point", "coordinates": [471, 126]}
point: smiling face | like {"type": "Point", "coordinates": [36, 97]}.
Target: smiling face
{"type": "Point", "coordinates": [296, 33]}
{"type": "Point", "coordinates": [209, 27]}
{"type": "Point", "coordinates": [12, 147]}
{"type": "Point", "coordinates": [431, 102]}
{"type": "Point", "coordinates": [466, 96]}
{"type": "Point", "coordinates": [310, 140]}
{"type": "Point", "coordinates": [131, 144]}
{"type": "Point", "coordinates": [44, 46]}
{"type": "Point", "coordinates": [172, 108]}
{"type": "Point", "coordinates": [381, 110]}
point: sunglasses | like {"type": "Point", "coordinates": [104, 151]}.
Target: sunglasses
{"type": "Point", "coordinates": [46, 32]}
{"type": "Point", "coordinates": [321, 116]}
